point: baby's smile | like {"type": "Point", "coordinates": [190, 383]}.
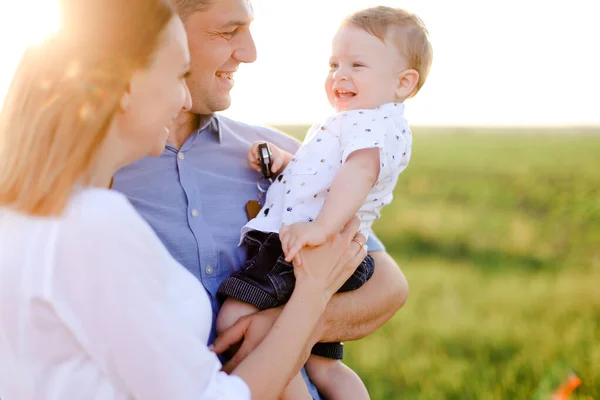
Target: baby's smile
{"type": "Point", "coordinates": [344, 93]}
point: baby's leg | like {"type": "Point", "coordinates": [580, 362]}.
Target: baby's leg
{"type": "Point", "coordinates": [231, 311]}
{"type": "Point", "coordinates": [335, 380]}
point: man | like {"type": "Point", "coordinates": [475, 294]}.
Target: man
{"type": "Point", "coordinates": [194, 194]}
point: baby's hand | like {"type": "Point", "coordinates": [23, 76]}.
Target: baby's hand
{"type": "Point", "coordinates": [277, 156]}
{"type": "Point", "coordinates": [294, 237]}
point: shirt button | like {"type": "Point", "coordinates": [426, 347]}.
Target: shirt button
{"type": "Point", "coordinates": [194, 213]}
{"type": "Point", "coordinates": [209, 270]}
{"type": "Point", "coordinates": [180, 155]}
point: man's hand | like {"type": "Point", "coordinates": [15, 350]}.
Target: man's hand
{"type": "Point", "coordinates": [251, 330]}
{"type": "Point", "coordinates": [278, 156]}
{"type": "Point", "coordinates": [296, 236]}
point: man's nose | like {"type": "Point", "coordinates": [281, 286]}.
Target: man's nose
{"type": "Point", "coordinates": [246, 50]}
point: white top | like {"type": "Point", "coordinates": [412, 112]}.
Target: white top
{"type": "Point", "coordinates": [298, 194]}
{"type": "Point", "coordinates": [92, 306]}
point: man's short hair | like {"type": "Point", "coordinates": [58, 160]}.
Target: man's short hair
{"type": "Point", "coordinates": [188, 7]}
{"type": "Point", "coordinates": [406, 30]}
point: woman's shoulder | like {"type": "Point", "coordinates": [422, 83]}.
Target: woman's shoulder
{"type": "Point", "coordinates": [96, 211]}
{"type": "Point", "coordinates": [87, 206]}
{"type": "Point", "coordinates": [91, 197]}
{"type": "Point", "coordinates": [99, 204]}
{"type": "Point", "coordinates": [103, 225]}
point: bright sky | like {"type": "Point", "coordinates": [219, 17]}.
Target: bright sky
{"type": "Point", "coordinates": [511, 62]}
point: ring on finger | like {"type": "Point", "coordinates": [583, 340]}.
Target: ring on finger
{"type": "Point", "coordinates": [359, 243]}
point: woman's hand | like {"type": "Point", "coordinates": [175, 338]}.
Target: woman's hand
{"type": "Point", "coordinates": [333, 267]}
{"type": "Point", "coordinates": [287, 344]}
{"type": "Point", "coordinates": [324, 269]}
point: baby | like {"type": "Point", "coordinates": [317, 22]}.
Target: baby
{"type": "Point", "coordinates": [348, 165]}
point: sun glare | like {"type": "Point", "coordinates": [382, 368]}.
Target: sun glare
{"type": "Point", "coordinates": [23, 24]}
{"type": "Point", "coordinates": [44, 22]}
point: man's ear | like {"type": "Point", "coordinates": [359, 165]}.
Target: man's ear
{"type": "Point", "coordinates": [407, 83]}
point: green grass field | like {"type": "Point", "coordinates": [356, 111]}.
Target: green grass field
{"type": "Point", "coordinates": [498, 233]}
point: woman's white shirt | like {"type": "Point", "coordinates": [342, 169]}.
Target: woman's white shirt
{"type": "Point", "coordinates": [92, 306]}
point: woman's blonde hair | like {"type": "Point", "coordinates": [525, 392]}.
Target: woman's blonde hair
{"type": "Point", "coordinates": [64, 94]}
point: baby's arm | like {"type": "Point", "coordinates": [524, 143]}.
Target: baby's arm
{"type": "Point", "coordinates": [281, 158]}
{"type": "Point", "coordinates": [347, 194]}
{"type": "Point", "coordinates": [349, 190]}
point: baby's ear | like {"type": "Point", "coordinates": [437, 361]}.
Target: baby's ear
{"type": "Point", "coordinates": [408, 80]}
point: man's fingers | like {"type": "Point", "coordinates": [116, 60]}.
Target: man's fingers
{"type": "Point", "coordinates": [253, 154]}
{"type": "Point", "coordinates": [350, 229]}
{"type": "Point", "coordinates": [255, 167]}
{"type": "Point", "coordinates": [277, 164]}
{"type": "Point", "coordinates": [253, 162]}
{"type": "Point", "coordinates": [255, 150]}
{"type": "Point", "coordinates": [230, 336]}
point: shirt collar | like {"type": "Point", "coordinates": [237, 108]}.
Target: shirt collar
{"type": "Point", "coordinates": [211, 127]}
{"type": "Point", "coordinates": [393, 107]}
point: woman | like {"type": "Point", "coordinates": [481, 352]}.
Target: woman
{"type": "Point", "coordinates": [92, 306]}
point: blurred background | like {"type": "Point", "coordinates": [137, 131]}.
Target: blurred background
{"type": "Point", "coordinates": [496, 222]}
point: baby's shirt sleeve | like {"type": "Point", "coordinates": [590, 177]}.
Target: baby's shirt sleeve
{"type": "Point", "coordinates": [366, 129]}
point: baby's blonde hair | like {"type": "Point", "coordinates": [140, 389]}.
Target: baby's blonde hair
{"type": "Point", "coordinates": [63, 97]}
{"type": "Point", "coordinates": [406, 30]}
